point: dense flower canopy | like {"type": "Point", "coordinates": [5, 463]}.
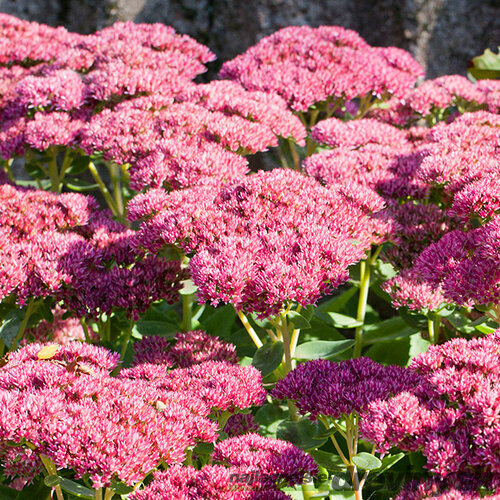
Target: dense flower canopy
{"type": "Point", "coordinates": [270, 238]}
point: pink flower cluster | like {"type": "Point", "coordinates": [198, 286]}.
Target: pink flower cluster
{"type": "Point", "coordinates": [211, 482]}
{"type": "Point", "coordinates": [171, 131]}
{"type": "Point", "coordinates": [440, 99]}
{"type": "Point", "coordinates": [220, 385]}
{"type": "Point", "coordinates": [309, 65]}
{"type": "Point", "coordinates": [432, 489]}
{"type": "Point", "coordinates": [199, 136]}
{"type": "Point", "coordinates": [248, 467]}
{"type": "Point", "coordinates": [190, 348]}
{"type": "Point", "coordinates": [328, 388]}
{"type": "Point", "coordinates": [270, 238]}
{"type": "Point", "coordinates": [61, 401]}
{"type": "Point", "coordinates": [64, 246]}
{"type": "Point", "coordinates": [55, 79]}
{"type": "Point", "coordinates": [450, 414]}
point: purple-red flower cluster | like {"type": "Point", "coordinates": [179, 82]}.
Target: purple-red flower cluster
{"type": "Point", "coordinates": [328, 388]}
{"type": "Point", "coordinates": [65, 247]}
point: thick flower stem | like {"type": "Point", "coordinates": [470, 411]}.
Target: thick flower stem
{"type": "Point", "coordinates": [108, 494]}
{"type": "Point", "coordinates": [362, 303]}
{"type": "Point", "coordinates": [52, 471]}
{"type": "Point", "coordinates": [295, 155]}
{"type": "Point", "coordinates": [187, 312]}
{"type": "Point", "coordinates": [249, 329]}
{"type": "Point", "coordinates": [33, 305]}
{"type": "Point", "coordinates": [106, 194]}
{"type": "Point", "coordinates": [433, 326]}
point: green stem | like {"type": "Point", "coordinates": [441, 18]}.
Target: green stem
{"type": "Point", "coordinates": [52, 471]}
{"type": "Point", "coordinates": [33, 305]}
{"type": "Point", "coordinates": [308, 491]}
{"type": "Point", "coordinates": [108, 494]}
{"type": "Point", "coordinates": [114, 171]}
{"type": "Point", "coordinates": [249, 329]}
{"type": "Point", "coordinates": [285, 335]}
{"type": "Point", "coordinates": [187, 312]}
{"type": "Point", "coordinates": [287, 366]}
{"type": "Point", "coordinates": [98, 494]}
{"type": "Point", "coordinates": [335, 443]}
{"type": "Point", "coordinates": [295, 155]}
{"type": "Point", "coordinates": [85, 330]}
{"type": "Point", "coordinates": [282, 157]}
{"type": "Point", "coordinates": [106, 194]}
{"type": "Point", "coordinates": [433, 326]}
{"type": "Point", "coordinates": [54, 171]}
{"type": "Point", "coordinates": [362, 303]}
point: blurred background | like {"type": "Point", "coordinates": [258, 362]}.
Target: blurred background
{"type": "Point", "coordinates": [441, 34]}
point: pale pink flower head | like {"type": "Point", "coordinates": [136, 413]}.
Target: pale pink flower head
{"type": "Point", "coordinates": [221, 385]}
{"type": "Point", "coordinates": [275, 459]}
{"type": "Point", "coordinates": [491, 92]}
{"type": "Point", "coordinates": [190, 348]}
{"type": "Point", "coordinates": [307, 65]}
{"type": "Point", "coordinates": [353, 134]}
{"type": "Point", "coordinates": [442, 93]}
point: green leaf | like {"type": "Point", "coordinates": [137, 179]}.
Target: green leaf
{"type": "Point", "coordinates": [338, 302]}
{"type": "Point", "coordinates": [10, 326]}
{"type": "Point", "coordinates": [485, 329]}
{"type": "Point", "coordinates": [487, 60]}
{"type": "Point", "coordinates": [162, 328]}
{"type": "Point", "coordinates": [35, 170]}
{"type": "Point", "coordinates": [366, 461]}
{"type": "Point", "coordinates": [389, 461]}
{"type": "Point", "coordinates": [52, 480]}
{"type": "Point", "coordinates": [268, 414]}
{"type": "Point", "coordinates": [218, 321]}
{"type": "Point", "coordinates": [298, 320]}
{"type": "Point", "coordinates": [322, 349]}
{"type": "Point", "coordinates": [415, 320]}
{"type": "Point", "coordinates": [343, 321]}
{"type": "Point", "coordinates": [418, 345]}
{"type": "Point", "coordinates": [389, 329]}
{"type": "Point", "coordinates": [302, 433]}
{"type": "Point", "coordinates": [76, 489]}
{"type": "Point", "coordinates": [78, 165]}
{"type": "Point", "coordinates": [268, 357]}
{"type": "Point", "coordinates": [204, 449]}
{"type": "Point", "coordinates": [485, 74]}
{"type": "Point", "coordinates": [121, 488]}
{"type": "Point", "coordinates": [7, 493]}
{"type": "Point", "coordinates": [80, 185]}
{"type": "Point", "coordinates": [327, 460]}
{"type": "Point", "coordinates": [462, 323]}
